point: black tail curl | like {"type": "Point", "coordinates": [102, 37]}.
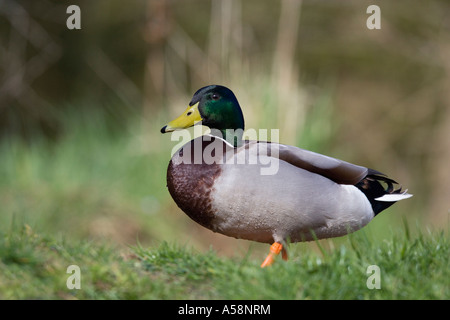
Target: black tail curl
{"type": "Point", "coordinates": [372, 187]}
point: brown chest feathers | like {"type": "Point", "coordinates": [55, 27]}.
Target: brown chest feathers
{"type": "Point", "coordinates": [190, 182]}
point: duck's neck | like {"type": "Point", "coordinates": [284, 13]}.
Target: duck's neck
{"type": "Point", "coordinates": [233, 136]}
{"type": "Point", "coordinates": [227, 124]}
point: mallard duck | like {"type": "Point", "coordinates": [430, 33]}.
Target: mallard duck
{"type": "Point", "coordinates": [266, 191]}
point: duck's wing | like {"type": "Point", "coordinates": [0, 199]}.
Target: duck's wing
{"type": "Point", "coordinates": [339, 171]}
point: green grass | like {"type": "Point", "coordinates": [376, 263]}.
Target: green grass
{"type": "Point", "coordinates": [33, 266]}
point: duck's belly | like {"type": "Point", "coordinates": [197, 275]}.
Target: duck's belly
{"type": "Point", "coordinates": [293, 205]}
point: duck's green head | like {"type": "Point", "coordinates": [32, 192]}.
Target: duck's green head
{"type": "Point", "coordinates": [216, 107]}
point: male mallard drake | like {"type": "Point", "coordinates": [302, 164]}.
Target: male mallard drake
{"type": "Point", "coordinates": [266, 191]}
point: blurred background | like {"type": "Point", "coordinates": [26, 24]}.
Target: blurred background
{"type": "Point", "coordinates": [81, 154]}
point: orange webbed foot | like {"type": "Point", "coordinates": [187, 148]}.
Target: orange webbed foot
{"type": "Point", "coordinates": [275, 250]}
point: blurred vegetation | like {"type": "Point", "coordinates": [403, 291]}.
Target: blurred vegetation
{"type": "Point", "coordinates": [80, 110]}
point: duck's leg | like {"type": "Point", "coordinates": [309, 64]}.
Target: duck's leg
{"type": "Point", "coordinates": [275, 250]}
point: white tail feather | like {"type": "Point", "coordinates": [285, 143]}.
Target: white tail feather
{"type": "Point", "coordinates": [394, 197]}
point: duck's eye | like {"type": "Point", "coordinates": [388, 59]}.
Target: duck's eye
{"type": "Point", "coordinates": [215, 97]}
{"type": "Point", "coordinates": [189, 113]}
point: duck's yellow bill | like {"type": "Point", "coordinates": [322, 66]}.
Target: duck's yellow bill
{"type": "Point", "coordinates": [189, 118]}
